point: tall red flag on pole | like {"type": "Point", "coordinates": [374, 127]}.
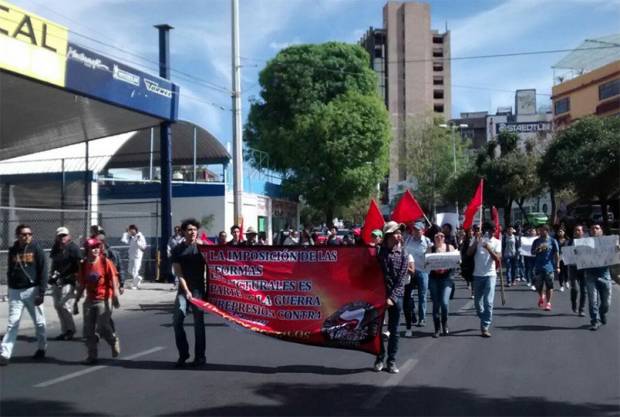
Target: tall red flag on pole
{"type": "Point", "coordinates": [374, 220]}
{"type": "Point", "coordinates": [473, 206]}
{"type": "Point", "coordinates": [495, 220]}
{"type": "Point", "coordinates": [407, 209]}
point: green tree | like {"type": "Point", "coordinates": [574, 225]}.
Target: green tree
{"type": "Point", "coordinates": [586, 157]}
{"type": "Point", "coordinates": [322, 123]}
{"type": "Point", "coordinates": [430, 151]}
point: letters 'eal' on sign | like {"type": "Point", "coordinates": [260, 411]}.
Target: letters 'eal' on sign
{"type": "Point", "coordinates": [32, 46]}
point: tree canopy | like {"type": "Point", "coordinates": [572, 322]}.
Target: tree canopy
{"type": "Point", "coordinates": [322, 123]}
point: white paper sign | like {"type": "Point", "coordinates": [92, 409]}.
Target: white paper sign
{"type": "Point", "coordinates": [526, 245]}
{"type": "Point", "coordinates": [568, 255]}
{"type": "Point", "coordinates": [442, 260]}
{"type": "Point", "coordinates": [593, 252]}
{"type": "Point", "coordinates": [450, 218]}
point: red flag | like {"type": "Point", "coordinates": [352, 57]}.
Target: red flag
{"type": "Point", "coordinates": [495, 220]}
{"type": "Point", "coordinates": [407, 210]}
{"type": "Point", "coordinates": [473, 206]}
{"type": "Point", "coordinates": [374, 220]}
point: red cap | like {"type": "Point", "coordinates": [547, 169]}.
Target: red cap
{"type": "Point", "coordinates": [92, 242]}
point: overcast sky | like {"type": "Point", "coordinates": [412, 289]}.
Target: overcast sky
{"type": "Point", "coordinates": [200, 42]}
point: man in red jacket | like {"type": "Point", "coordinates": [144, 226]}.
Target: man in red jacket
{"type": "Point", "coordinates": [99, 278]}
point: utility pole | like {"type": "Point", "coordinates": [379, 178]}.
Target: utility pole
{"type": "Point", "coordinates": [236, 105]}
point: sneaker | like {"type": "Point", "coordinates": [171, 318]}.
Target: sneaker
{"type": "Point", "coordinates": [603, 319]}
{"type": "Point", "coordinates": [133, 287]}
{"type": "Point", "coordinates": [39, 354]}
{"type": "Point", "coordinates": [581, 313]}
{"type": "Point", "coordinates": [4, 361]}
{"type": "Point", "coordinates": [562, 289]}
{"type": "Point", "coordinates": [378, 366]}
{"type": "Point", "coordinates": [391, 368]}
{"type": "Point", "coordinates": [436, 334]}
{"type": "Point", "coordinates": [91, 360]}
{"type": "Point", "coordinates": [421, 323]}
{"type": "Point", "coordinates": [181, 361]}
{"type": "Point", "coordinates": [116, 348]}
{"type": "Point", "coordinates": [408, 333]}
{"type": "Point", "coordinates": [541, 302]}
{"type": "Point", "coordinates": [69, 335]}
{"type": "Point", "coordinates": [486, 333]}
{"type": "Point", "coordinates": [386, 333]}
{"type": "Point", "coordinates": [533, 287]}
{"type": "Point", "coordinates": [197, 363]}
{"type": "Point", "coordinates": [567, 285]}
{"type": "Point", "coordinates": [548, 307]}
{"type": "Point", "coordinates": [594, 327]}
{"type": "Point", "coordinates": [61, 336]}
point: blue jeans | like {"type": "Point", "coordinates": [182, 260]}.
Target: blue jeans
{"type": "Point", "coordinates": [393, 321]}
{"type": "Point", "coordinates": [599, 296]}
{"type": "Point", "coordinates": [484, 293]}
{"type": "Point", "coordinates": [18, 300]}
{"type": "Point", "coordinates": [511, 269]}
{"type": "Point", "coordinates": [440, 289]}
{"type": "Point", "coordinates": [528, 261]}
{"type": "Point", "coordinates": [422, 278]}
{"type": "Point", "coordinates": [180, 312]}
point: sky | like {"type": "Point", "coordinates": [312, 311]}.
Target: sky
{"type": "Point", "coordinates": [201, 42]}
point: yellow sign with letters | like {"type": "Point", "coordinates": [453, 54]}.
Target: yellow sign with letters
{"type": "Point", "coordinates": [32, 46]}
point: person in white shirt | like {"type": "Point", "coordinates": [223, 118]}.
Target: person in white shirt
{"type": "Point", "coordinates": [487, 251]}
{"type": "Point", "coordinates": [137, 246]}
{"type": "Point", "coordinates": [417, 245]}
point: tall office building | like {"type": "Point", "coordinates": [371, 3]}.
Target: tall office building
{"type": "Point", "coordinates": [412, 62]}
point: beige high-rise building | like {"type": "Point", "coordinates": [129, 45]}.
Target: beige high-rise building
{"type": "Point", "coordinates": [413, 64]}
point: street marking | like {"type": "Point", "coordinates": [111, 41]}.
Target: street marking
{"type": "Point", "coordinates": [390, 382]}
{"type": "Point", "coordinates": [95, 368]}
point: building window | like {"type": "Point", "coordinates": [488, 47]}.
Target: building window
{"type": "Point", "coordinates": [438, 108]}
{"type": "Point", "coordinates": [437, 80]}
{"type": "Point", "coordinates": [437, 53]}
{"type": "Point", "coordinates": [610, 89]}
{"type": "Point", "coordinates": [562, 106]}
{"type": "Point", "coordinates": [437, 39]}
{"type": "Point", "coordinates": [437, 67]}
{"type": "Point", "coordinates": [438, 94]}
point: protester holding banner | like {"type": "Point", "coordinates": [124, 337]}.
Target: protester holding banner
{"type": "Point", "coordinates": [417, 245]}
{"type": "Point", "coordinates": [486, 250]}
{"type": "Point", "coordinates": [251, 237]}
{"type": "Point", "coordinates": [235, 232]}
{"type": "Point", "coordinates": [577, 279]}
{"type": "Point", "coordinates": [440, 285]}
{"type": "Point", "coordinates": [547, 260]}
{"type": "Point", "coordinates": [394, 264]}
{"type": "Point", "coordinates": [222, 238]}
{"type": "Point", "coordinates": [190, 267]}
{"type": "Point", "coordinates": [598, 283]}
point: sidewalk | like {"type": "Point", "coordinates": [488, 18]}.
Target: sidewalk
{"type": "Point", "coordinates": [149, 293]}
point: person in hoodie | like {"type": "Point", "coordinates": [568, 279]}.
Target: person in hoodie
{"type": "Point", "coordinates": [27, 282]}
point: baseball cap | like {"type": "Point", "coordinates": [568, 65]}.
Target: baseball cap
{"type": "Point", "coordinates": [377, 233]}
{"type": "Point", "coordinates": [419, 225]}
{"type": "Point", "coordinates": [392, 226]}
{"type": "Point", "coordinates": [62, 231]}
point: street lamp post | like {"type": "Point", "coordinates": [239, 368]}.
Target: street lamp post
{"type": "Point", "coordinates": [453, 128]}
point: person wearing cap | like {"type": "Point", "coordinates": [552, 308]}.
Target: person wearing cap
{"type": "Point", "coordinates": [487, 252]}
{"type": "Point", "coordinates": [376, 238]}
{"type": "Point", "coordinates": [417, 245]}
{"type": "Point", "coordinates": [65, 256]}
{"type": "Point", "coordinates": [27, 282]}
{"type": "Point", "coordinates": [251, 237]}
{"type": "Point", "coordinates": [99, 279]}
{"type": "Point", "coordinates": [394, 264]}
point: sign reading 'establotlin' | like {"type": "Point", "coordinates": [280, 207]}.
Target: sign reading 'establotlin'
{"type": "Point", "coordinates": [523, 127]}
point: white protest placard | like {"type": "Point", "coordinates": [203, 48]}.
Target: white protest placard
{"type": "Point", "coordinates": [526, 245]}
{"type": "Point", "coordinates": [442, 260]}
{"type": "Point", "coordinates": [450, 218]}
{"type": "Point", "coordinates": [568, 255]}
{"type": "Point", "coordinates": [594, 252]}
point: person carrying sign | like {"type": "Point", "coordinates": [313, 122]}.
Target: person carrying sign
{"type": "Point", "coordinates": [190, 268]}
{"type": "Point", "coordinates": [577, 279]}
{"type": "Point", "coordinates": [546, 251]}
{"type": "Point", "coordinates": [440, 285]}
{"type": "Point", "coordinates": [598, 283]}
{"type": "Point", "coordinates": [394, 264]}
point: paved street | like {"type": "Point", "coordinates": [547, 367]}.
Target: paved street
{"type": "Point", "coordinates": [536, 363]}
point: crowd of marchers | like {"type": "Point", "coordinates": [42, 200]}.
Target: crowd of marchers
{"type": "Point", "coordinates": [93, 271]}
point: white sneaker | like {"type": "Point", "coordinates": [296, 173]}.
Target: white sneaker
{"type": "Point", "coordinates": [386, 333]}
{"type": "Point", "coordinates": [408, 333]}
{"type": "Point", "coordinates": [562, 289]}
{"type": "Point", "coordinates": [133, 287]}
{"type": "Point", "coordinates": [533, 287]}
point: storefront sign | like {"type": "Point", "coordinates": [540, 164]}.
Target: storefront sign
{"type": "Point", "coordinates": [523, 127]}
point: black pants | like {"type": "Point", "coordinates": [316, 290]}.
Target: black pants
{"type": "Point", "coordinates": [409, 306]}
{"type": "Point", "coordinates": [577, 287]}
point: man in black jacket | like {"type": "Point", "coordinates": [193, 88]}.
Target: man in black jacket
{"type": "Point", "coordinates": [27, 281]}
{"type": "Point", "coordinates": [65, 256]}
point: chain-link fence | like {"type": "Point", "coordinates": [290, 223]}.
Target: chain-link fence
{"type": "Point", "coordinates": [113, 219]}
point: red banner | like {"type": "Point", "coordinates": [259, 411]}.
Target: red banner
{"type": "Point", "coordinates": [324, 296]}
